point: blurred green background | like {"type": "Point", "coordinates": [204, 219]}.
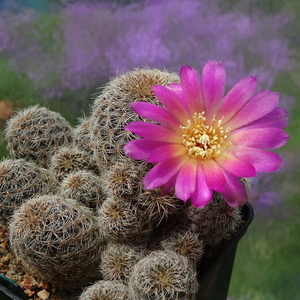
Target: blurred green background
{"type": "Point", "coordinates": [42, 61]}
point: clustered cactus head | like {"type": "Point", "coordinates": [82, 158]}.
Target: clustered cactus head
{"type": "Point", "coordinates": [58, 239]}
{"type": "Point", "coordinates": [83, 186]}
{"type": "Point", "coordinates": [19, 181]}
{"type": "Point", "coordinates": [111, 110]}
{"type": "Point", "coordinates": [215, 222]}
{"type": "Point", "coordinates": [35, 134]}
{"type": "Point", "coordinates": [123, 179]}
{"type": "Point", "coordinates": [106, 290]}
{"type": "Point", "coordinates": [82, 139]}
{"type": "Point", "coordinates": [163, 275]}
{"type": "Point", "coordinates": [158, 207]}
{"type": "Point", "coordinates": [70, 159]}
{"type": "Point", "coordinates": [117, 261]}
{"type": "Point", "coordinates": [123, 222]}
{"type": "Point", "coordinates": [186, 243]}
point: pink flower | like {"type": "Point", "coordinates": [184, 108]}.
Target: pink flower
{"type": "Point", "coordinates": [203, 141]}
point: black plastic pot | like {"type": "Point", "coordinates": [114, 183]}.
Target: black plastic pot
{"type": "Point", "coordinates": [9, 290]}
{"type": "Point", "coordinates": [214, 282]}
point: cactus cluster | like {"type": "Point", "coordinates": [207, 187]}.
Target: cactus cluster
{"type": "Point", "coordinates": [79, 210]}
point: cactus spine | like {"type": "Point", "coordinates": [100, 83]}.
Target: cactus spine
{"type": "Point", "coordinates": [58, 239]}
{"type": "Point", "coordinates": [35, 134]}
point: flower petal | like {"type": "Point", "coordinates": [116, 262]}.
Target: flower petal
{"type": "Point", "coordinates": [166, 152]}
{"type": "Point", "coordinates": [235, 166]}
{"type": "Point", "coordinates": [258, 106]}
{"type": "Point", "coordinates": [192, 91]}
{"type": "Point", "coordinates": [164, 171]}
{"type": "Point", "coordinates": [213, 86]}
{"type": "Point", "coordinates": [264, 138]}
{"type": "Point", "coordinates": [172, 102]}
{"type": "Point", "coordinates": [237, 97]}
{"type": "Point", "coordinates": [262, 160]}
{"type": "Point", "coordinates": [177, 88]}
{"type": "Point", "coordinates": [154, 132]}
{"type": "Point", "coordinates": [277, 118]}
{"type": "Point", "coordinates": [141, 148]}
{"type": "Point", "coordinates": [186, 180]}
{"type": "Point", "coordinates": [233, 191]}
{"type": "Point", "coordinates": [202, 194]}
{"type": "Point", "coordinates": [165, 189]}
{"type": "Point", "coordinates": [213, 174]}
{"type": "Point", "coordinates": [157, 114]}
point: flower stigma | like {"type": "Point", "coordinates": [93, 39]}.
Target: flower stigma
{"type": "Point", "coordinates": [204, 141]}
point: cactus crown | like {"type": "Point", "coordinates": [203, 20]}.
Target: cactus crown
{"type": "Point", "coordinates": [35, 134]}
{"type": "Point", "coordinates": [57, 238]}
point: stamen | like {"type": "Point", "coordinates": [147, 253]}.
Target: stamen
{"type": "Point", "coordinates": [204, 141]}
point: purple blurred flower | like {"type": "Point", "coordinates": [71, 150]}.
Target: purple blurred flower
{"type": "Point", "coordinates": [91, 42]}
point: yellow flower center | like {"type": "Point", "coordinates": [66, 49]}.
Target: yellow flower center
{"type": "Point", "coordinates": [204, 141]}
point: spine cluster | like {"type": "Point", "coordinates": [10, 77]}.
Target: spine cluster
{"type": "Point", "coordinates": [79, 213]}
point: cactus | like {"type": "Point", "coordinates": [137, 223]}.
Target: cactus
{"type": "Point", "coordinates": [36, 133]}
{"type": "Point", "coordinates": [82, 139]}
{"type": "Point", "coordinates": [58, 239]}
{"type": "Point", "coordinates": [186, 243]}
{"type": "Point", "coordinates": [21, 180]}
{"type": "Point", "coordinates": [101, 198]}
{"type": "Point", "coordinates": [122, 221]}
{"type": "Point", "coordinates": [83, 186]}
{"type": "Point", "coordinates": [216, 222]}
{"type": "Point", "coordinates": [111, 110]}
{"type": "Point", "coordinates": [117, 261]}
{"type": "Point", "coordinates": [106, 290]}
{"type": "Point", "coordinates": [157, 206]}
{"type": "Point", "coordinates": [71, 159]}
{"type": "Point", "coordinates": [123, 179]}
{"type": "Point", "coordinates": [163, 275]}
